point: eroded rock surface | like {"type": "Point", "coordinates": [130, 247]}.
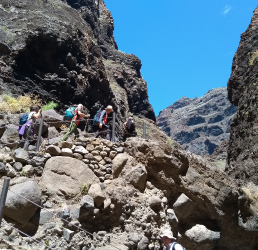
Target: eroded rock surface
{"type": "Point", "coordinates": [199, 124]}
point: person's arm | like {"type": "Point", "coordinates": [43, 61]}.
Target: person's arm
{"type": "Point", "coordinates": [125, 127]}
{"type": "Point", "coordinates": [37, 115]}
{"type": "Point", "coordinates": [101, 118]}
{"type": "Point", "coordinates": [83, 115]}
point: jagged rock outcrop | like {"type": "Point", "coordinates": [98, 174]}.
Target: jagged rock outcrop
{"type": "Point", "coordinates": [199, 124]}
{"type": "Point", "coordinates": [243, 92]}
{"type": "Point", "coordinates": [69, 55]}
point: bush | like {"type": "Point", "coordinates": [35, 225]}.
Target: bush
{"type": "Point", "coordinates": [21, 103]}
{"type": "Point", "coordinates": [50, 105]}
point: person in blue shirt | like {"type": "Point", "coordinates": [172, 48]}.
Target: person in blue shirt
{"type": "Point", "coordinates": [170, 241]}
{"type": "Point", "coordinates": [102, 127]}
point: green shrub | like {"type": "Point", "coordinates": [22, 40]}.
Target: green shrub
{"type": "Point", "coordinates": [50, 105]}
{"type": "Point", "coordinates": [84, 189]}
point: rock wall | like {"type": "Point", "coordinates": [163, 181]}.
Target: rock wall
{"type": "Point", "coordinates": [122, 194]}
{"type": "Point", "coordinates": [242, 89]}
{"type": "Point", "coordinates": [199, 124]}
{"type": "Point", "coordinates": [69, 55]}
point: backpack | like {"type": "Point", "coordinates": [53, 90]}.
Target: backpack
{"type": "Point", "coordinates": [96, 117]}
{"type": "Point", "coordinates": [69, 113]}
{"type": "Point", "coordinates": [130, 126]}
{"type": "Point", "coordinates": [173, 246]}
{"type": "Point", "coordinates": [23, 119]}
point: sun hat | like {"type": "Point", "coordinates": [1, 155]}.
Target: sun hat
{"type": "Point", "coordinates": [167, 233]}
{"type": "Point", "coordinates": [109, 107]}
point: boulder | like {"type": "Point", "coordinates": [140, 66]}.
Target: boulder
{"type": "Point", "coordinates": [53, 150]}
{"type": "Point", "coordinates": [17, 166]}
{"type": "Point", "coordinates": [52, 118]}
{"type": "Point", "coordinates": [137, 176]}
{"type": "Point", "coordinates": [52, 132]}
{"type": "Point", "coordinates": [80, 150]}
{"type": "Point", "coordinates": [155, 201]}
{"type": "Point", "coordinates": [65, 144]}
{"type": "Point", "coordinates": [37, 125]}
{"type": "Point", "coordinates": [19, 209]}
{"type": "Point", "coordinates": [65, 176]}
{"type": "Point", "coordinates": [118, 164]}
{"type": "Point", "coordinates": [183, 207]}
{"type": "Point", "coordinates": [87, 202]}
{"type": "Point", "coordinates": [97, 194]}
{"type": "Point", "coordinates": [21, 155]}
{"type": "Point", "coordinates": [28, 170]}
{"type": "Point", "coordinates": [203, 237]}
{"type": "Point", "coordinates": [66, 152]}
{"type": "Point", "coordinates": [3, 169]}
{"type": "Point", "coordinates": [10, 136]}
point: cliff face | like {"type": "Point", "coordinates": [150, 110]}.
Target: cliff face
{"type": "Point", "coordinates": [243, 92]}
{"type": "Point", "coordinates": [199, 124]}
{"type": "Point", "coordinates": [68, 55]}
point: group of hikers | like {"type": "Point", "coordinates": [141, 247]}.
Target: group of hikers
{"type": "Point", "coordinates": [100, 127]}
{"type": "Point", "coordinates": [100, 124]}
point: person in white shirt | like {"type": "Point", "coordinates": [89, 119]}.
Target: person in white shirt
{"type": "Point", "coordinates": [170, 241]}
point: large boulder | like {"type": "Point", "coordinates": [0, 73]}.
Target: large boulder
{"type": "Point", "coordinates": [21, 155]}
{"type": "Point", "coordinates": [137, 177]}
{"type": "Point", "coordinates": [65, 176]}
{"type": "Point", "coordinates": [183, 207]}
{"type": "Point", "coordinates": [118, 164]}
{"type": "Point", "coordinates": [204, 238]}
{"type": "Point", "coordinates": [18, 208]}
{"type": "Point", "coordinates": [52, 118]}
{"type": "Point", "coordinates": [10, 136]}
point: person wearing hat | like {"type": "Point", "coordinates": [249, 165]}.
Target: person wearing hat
{"type": "Point", "coordinates": [75, 122]}
{"type": "Point", "coordinates": [170, 241]}
{"type": "Point", "coordinates": [102, 127]}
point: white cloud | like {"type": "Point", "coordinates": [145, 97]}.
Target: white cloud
{"type": "Point", "coordinates": [226, 10]}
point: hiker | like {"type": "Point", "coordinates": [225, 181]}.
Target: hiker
{"type": "Point", "coordinates": [170, 241]}
{"type": "Point", "coordinates": [27, 129]}
{"type": "Point", "coordinates": [129, 128]}
{"type": "Point", "coordinates": [75, 122]}
{"type": "Point", "coordinates": [101, 127]}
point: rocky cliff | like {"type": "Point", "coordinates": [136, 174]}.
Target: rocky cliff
{"type": "Point", "coordinates": [66, 52]}
{"type": "Point", "coordinates": [199, 124]}
{"type": "Point", "coordinates": [243, 93]}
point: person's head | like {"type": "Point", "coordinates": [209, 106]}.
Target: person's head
{"type": "Point", "coordinates": [167, 237]}
{"type": "Point", "coordinates": [80, 106]}
{"type": "Point", "coordinates": [34, 108]}
{"type": "Point", "coordinates": [109, 109]}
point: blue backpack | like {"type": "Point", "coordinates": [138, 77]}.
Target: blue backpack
{"type": "Point", "coordinates": [69, 113]}
{"type": "Point", "coordinates": [96, 117]}
{"type": "Point", "coordinates": [23, 119]}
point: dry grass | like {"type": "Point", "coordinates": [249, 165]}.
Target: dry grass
{"type": "Point", "coordinates": [251, 191]}
{"type": "Point", "coordinates": [21, 103]}
{"type": "Point", "coordinates": [254, 55]}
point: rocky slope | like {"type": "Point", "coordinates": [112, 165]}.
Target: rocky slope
{"type": "Point", "coordinates": [199, 124]}
{"type": "Point", "coordinates": [69, 55]}
{"type": "Point", "coordinates": [119, 196]}
{"type": "Point", "coordinates": [243, 92]}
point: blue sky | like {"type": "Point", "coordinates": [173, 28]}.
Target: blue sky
{"type": "Point", "coordinates": [186, 47]}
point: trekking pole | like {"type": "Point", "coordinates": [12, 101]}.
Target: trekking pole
{"type": "Point", "coordinates": [3, 197]}
{"type": "Point", "coordinates": [86, 126]}
{"type": "Point", "coordinates": [39, 133]}
{"type": "Point", "coordinates": [113, 126]}
{"type": "Point", "coordinates": [144, 130]}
